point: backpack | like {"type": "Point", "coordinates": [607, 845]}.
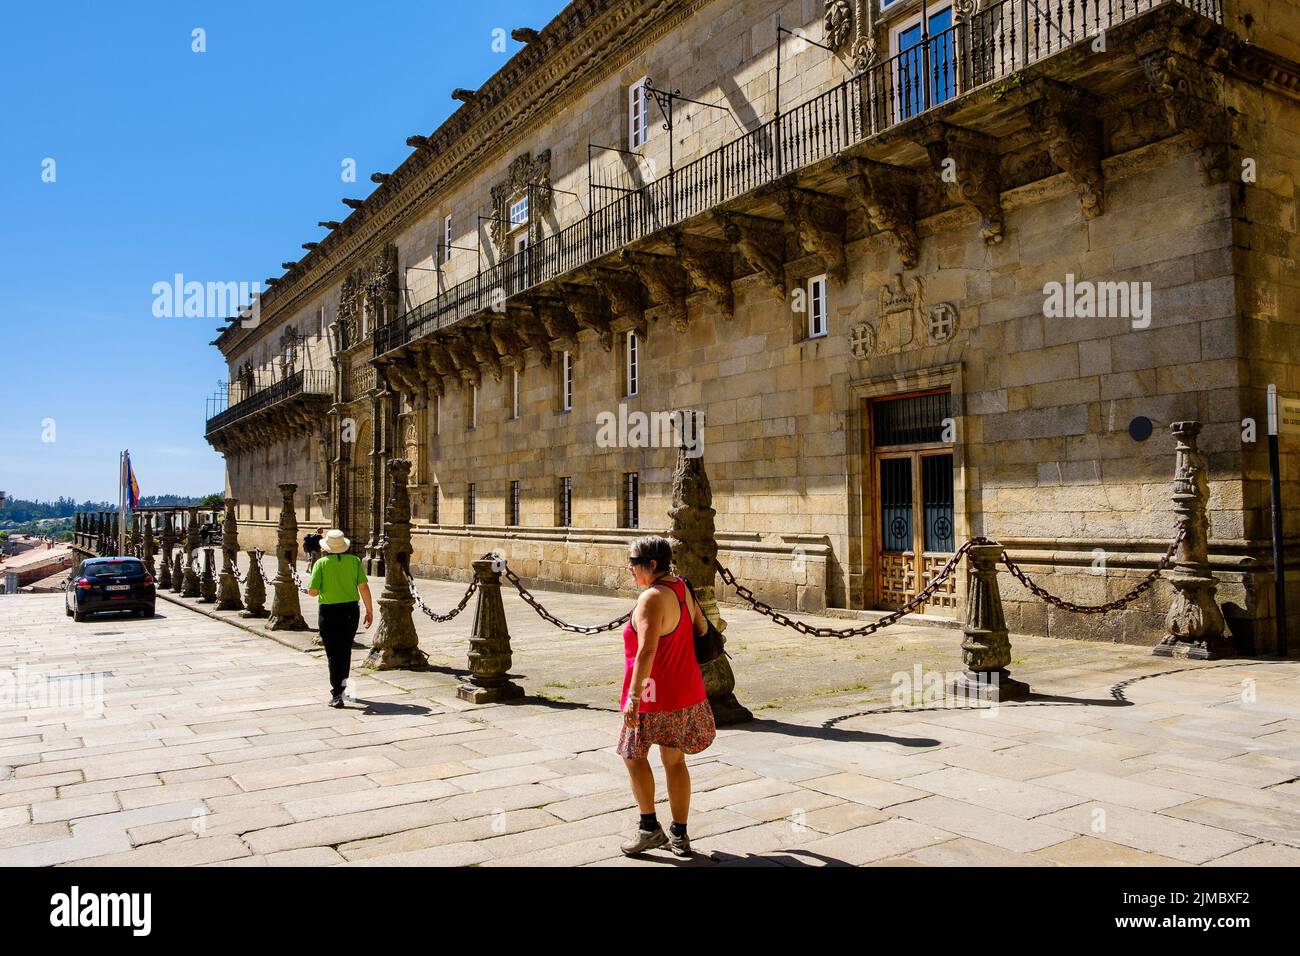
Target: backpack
{"type": "Point", "coordinates": [709, 645]}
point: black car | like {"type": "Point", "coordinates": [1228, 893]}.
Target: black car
{"type": "Point", "coordinates": [109, 584]}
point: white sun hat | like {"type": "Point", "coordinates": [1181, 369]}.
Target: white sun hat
{"type": "Point", "coordinates": [334, 542]}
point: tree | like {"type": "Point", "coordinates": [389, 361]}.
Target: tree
{"type": "Point", "coordinates": [213, 501]}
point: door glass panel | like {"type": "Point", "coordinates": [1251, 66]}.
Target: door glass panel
{"type": "Point", "coordinates": [936, 490]}
{"type": "Point", "coordinates": [896, 504]}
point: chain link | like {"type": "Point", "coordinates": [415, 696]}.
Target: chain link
{"type": "Point", "coordinates": [293, 575]}
{"type": "Point", "coordinates": [434, 615]}
{"type": "Point", "coordinates": [546, 615]}
{"type": "Point", "coordinates": [1039, 591]}
{"type": "Point", "coordinates": [747, 596]}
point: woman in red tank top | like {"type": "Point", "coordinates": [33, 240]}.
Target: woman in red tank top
{"type": "Point", "coordinates": [664, 701]}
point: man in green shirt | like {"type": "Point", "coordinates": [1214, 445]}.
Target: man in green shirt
{"type": "Point", "coordinates": [338, 580]}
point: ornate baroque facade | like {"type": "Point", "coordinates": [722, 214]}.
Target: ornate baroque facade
{"type": "Point", "coordinates": [845, 263]}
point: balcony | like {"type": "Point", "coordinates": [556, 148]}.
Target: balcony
{"type": "Point", "coordinates": [308, 392]}
{"type": "Point", "coordinates": [991, 45]}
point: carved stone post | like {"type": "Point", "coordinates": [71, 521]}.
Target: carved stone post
{"type": "Point", "coordinates": [286, 612]}
{"type": "Point", "coordinates": [208, 583]}
{"type": "Point", "coordinates": [986, 648]}
{"type": "Point", "coordinates": [228, 595]}
{"type": "Point", "coordinates": [490, 656]}
{"type": "Point", "coordinates": [1194, 623]}
{"type": "Point", "coordinates": [191, 586]}
{"type": "Point", "coordinates": [178, 571]}
{"type": "Point", "coordinates": [695, 552]}
{"type": "Point", "coordinates": [149, 566]}
{"type": "Point", "coordinates": [254, 589]}
{"type": "Point", "coordinates": [168, 545]}
{"type": "Point", "coordinates": [377, 425]}
{"type": "Point", "coordinates": [396, 644]}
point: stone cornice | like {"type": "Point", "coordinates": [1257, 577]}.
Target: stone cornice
{"type": "Point", "coordinates": [587, 41]}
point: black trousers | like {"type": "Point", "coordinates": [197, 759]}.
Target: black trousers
{"type": "Point", "coordinates": [338, 626]}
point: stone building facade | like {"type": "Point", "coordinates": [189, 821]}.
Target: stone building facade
{"type": "Point", "coordinates": [956, 279]}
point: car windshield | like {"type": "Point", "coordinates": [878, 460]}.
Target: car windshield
{"type": "Point", "coordinates": [112, 569]}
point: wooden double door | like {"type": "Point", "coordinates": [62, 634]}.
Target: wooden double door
{"type": "Point", "coordinates": [913, 505]}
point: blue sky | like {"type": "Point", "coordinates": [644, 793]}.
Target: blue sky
{"type": "Point", "coordinates": [216, 165]}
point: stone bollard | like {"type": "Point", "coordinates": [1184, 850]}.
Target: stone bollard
{"type": "Point", "coordinates": [165, 565]}
{"type": "Point", "coordinates": [178, 572]}
{"type": "Point", "coordinates": [149, 565]}
{"type": "Point", "coordinates": [208, 583]}
{"type": "Point", "coordinates": [286, 612]}
{"type": "Point", "coordinates": [1194, 622]}
{"type": "Point", "coordinates": [228, 595]}
{"type": "Point", "coordinates": [254, 589]}
{"type": "Point", "coordinates": [191, 586]}
{"type": "Point", "coordinates": [986, 648]}
{"type": "Point", "coordinates": [695, 552]}
{"type": "Point", "coordinates": [395, 644]}
{"type": "Point", "coordinates": [489, 643]}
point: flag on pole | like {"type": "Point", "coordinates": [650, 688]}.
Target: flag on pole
{"type": "Point", "coordinates": [132, 486]}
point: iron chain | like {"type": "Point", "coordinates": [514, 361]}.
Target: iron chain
{"type": "Point", "coordinates": [747, 596]}
{"type": "Point", "coordinates": [434, 615]}
{"type": "Point", "coordinates": [1039, 591]}
{"type": "Point", "coordinates": [546, 615]}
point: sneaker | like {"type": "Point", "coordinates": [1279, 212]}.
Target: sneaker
{"type": "Point", "coordinates": [679, 845]}
{"type": "Point", "coordinates": [336, 701]}
{"type": "Point", "coordinates": [644, 840]}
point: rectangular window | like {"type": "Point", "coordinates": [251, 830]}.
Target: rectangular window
{"type": "Point", "coordinates": [435, 503]}
{"type": "Point", "coordinates": [437, 415]}
{"type": "Point", "coordinates": [514, 503]}
{"type": "Point", "coordinates": [631, 368]}
{"type": "Point", "coordinates": [471, 413]}
{"type": "Point", "coordinates": [631, 500]}
{"type": "Point", "coordinates": [469, 503]}
{"type": "Point", "coordinates": [446, 239]}
{"type": "Point", "coordinates": [320, 322]}
{"type": "Point", "coordinates": [514, 393]}
{"type": "Point", "coordinates": [519, 212]}
{"type": "Point", "coordinates": [566, 503]}
{"type": "Point", "coordinates": [638, 115]}
{"type": "Point", "coordinates": [817, 325]}
{"type": "Point", "coordinates": [566, 381]}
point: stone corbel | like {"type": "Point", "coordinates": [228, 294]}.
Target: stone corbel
{"type": "Point", "coordinates": [818, 221]}
{"type": "Point", "coordinates": [1067, 118]}
{"type": "Point", "coordinates": [508, 343]}
{"type": "Point", "coordinates": [591, 310]}
{"type": "Point", "coordinates": [762, 244]}
{"type": "Point", "coordinates": [528, 324]}
{"type": "Point", "coordinates": [428, 378]}
{"type": "Point", "coordinates": [559, 324]}
{"type": "Point", "coordinates": [435, 352]}
{"type": "Point", "coordinates": [665, 280]}
{"type": "Point", "coordinates": [484, 351]}
{"type": "Point", "coordinates": [888, 194]}
{"type": "Point", "coordinates": [973, 177]}
{"type": "Point", "coordinates": [708, 263]}
{"type": "Point", "coordinates": [1192, 96]}
{"type": "Point", "coordinates": [626, 297]}
{"type": "Point", "coordinates": [463, 361]}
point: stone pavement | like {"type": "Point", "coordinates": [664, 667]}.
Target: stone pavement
{"type": "Point", "coordinates": [211, 745]}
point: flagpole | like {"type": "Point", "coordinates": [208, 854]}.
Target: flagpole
{"type": "Point", "coordinates": [121, 503]}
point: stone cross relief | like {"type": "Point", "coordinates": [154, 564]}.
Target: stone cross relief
{"type": "Point", "coordinates": [900, 306]}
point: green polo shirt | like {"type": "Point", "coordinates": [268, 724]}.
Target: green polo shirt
{"type": "Point", "coordinates": [336, 578]}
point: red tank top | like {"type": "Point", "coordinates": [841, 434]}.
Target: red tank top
{"type": "Point", "coordinates": [675, 679]}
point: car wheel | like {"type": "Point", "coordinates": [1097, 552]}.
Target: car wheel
{"type": "Point", "coordinates": [149, 612]}
{"type": "Point", "coordinates": [67, 610]}
{"type": "Point", "coordinates": [78, 616]}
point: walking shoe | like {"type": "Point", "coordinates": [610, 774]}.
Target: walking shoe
{"type": "Point", "coordinates": [336, 701]}
{"type": "Point", "coordinates": [679, 845]}
{"type": "Point", "coordinates": [644, 840]}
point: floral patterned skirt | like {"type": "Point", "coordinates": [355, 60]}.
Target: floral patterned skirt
{"type": "Point", "coordinates": [689, 729]}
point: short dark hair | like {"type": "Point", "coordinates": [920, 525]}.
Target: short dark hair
{"type": "Point", "coordinates": [651, 547]}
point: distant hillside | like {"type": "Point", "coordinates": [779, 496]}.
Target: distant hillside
{"type": "Point", "coordinates": [20, 510]}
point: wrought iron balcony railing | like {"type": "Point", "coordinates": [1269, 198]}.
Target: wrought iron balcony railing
{"type": "Point", "coordinates": [303, 382]}
{"type": "Point", "coordinates": [991, 44]}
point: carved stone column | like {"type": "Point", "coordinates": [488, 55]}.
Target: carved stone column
{"type": "Point", "coordinates": [986, 647]}
{"type": "Point", "coordinates": [1194, 623]}
{"type": "Point", "coordinates": [148, 547]}
{"type": "Point", "coordinates": [396, 644]}
{"type": "Point", "coordinates": [695, 552]}
{"type": "Point", "coordinates": [254, 589]}
{"type": "Point", "coordinates": [178, 571]}
{"type": "Point", "coordinates": [208, 583]}
{"type": "Point", "coordinates": [191, 587]}
{"type": "Point", "coordinates": [490, 655]}
{"type": "Point", "coordinates": [228, 597]}
{"type": "Point", "coordinates": [286, 612]}
{"type": "Point", "coordinates": [376, 480]}
{"type": "Point", "coordinates": [168, 543]}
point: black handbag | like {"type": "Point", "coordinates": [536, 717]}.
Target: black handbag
{"type": "Point", "coordinates": [709, 645]}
